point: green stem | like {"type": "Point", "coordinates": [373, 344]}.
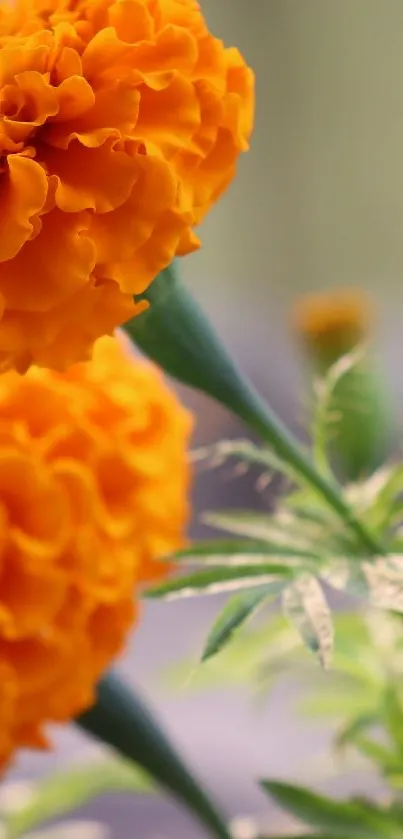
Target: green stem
{"type": "Point", "coordinates": [176, 334]}
{"type": "Point", "coordinates": [259, 417]}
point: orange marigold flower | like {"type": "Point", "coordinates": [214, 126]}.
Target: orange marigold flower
{"type": "Point", "coordinates": [332, 323]}
{"type": "Point", "coordinates": [121, 124]}
{"type": "Point", "coordinates": [94, 481]}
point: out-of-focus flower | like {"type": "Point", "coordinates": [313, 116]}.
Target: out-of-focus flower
{"type": "Point", "coordinates": [122, 121]}
{"type": "Point", "coordinates": [332, 323]}
{"type": "Point", "coordinates": [359, 417]}
{"type": "Point", "coordinates": [94, 482]}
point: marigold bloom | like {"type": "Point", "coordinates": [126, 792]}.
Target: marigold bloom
{"type": "Point", "coordinates": [93, 490]}
{"type": "Point", "coordinates": [332, 323]}
{"type": "Point", "coordinates": [122, 121]}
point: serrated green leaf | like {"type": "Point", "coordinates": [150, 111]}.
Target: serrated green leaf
{"type": "Point", "coordinates": [326, 414]}
{"type": "Point", "coordinates": [343, 819]}
{"type": "Point", "coordinates": [383, 491]}
{"type": "Point", "coordinates": [219, 579]}
{"type": "Point", "coordinates": [66, 791]}
{"type": "Point", "coordinates": [235, 552]}
{"type": "Point", "coordinates": [246, 452]}
{"type": "Point", "coordinates": [259, 526]}
{"type": "Point", "coordinates": [235, 614]}
{"type": "Point", "coordinates": [305, 606]}
{"type": "Point", "coordinates": [384, 579]}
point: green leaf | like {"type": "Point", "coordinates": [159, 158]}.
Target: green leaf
{"type": "Point", "coordinates": [67, 791]}
{"type": "Point", "coordinates": [329, 413]}
{"type": "Point", "coordinates": [355, 727]}
{"type": "Point", "coordinates": [305, 606]}
{"type": "Point", "coordinates": [352, 419]}
{"type": "Point", "coordinates": [235, 613]}
{"type": "Point", "coordinates": [235, 552]}
{"type": "Point", "coordinates": [343, 819]}
{"type": "Point", "coordinates": [239, 663]}
{"type": "Point", "coordinates": [120, 719]}
{"type": "Point", "coordinates": [219, 579]}
{"type": "Point", "coordinates": [246, 452]}
{"type": "Point", "coordinates": [392, 714]}
{"type": "Point", "coordinates": [384, 578]}
{"type": "Point", "coordinates": [261, 527]}
{"type": "Point", "coordinates": [385, 759]}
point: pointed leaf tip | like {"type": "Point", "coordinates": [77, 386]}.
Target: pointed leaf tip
{"type": "Point", "coordinates": [236, 613]}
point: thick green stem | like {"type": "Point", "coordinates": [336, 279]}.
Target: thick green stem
{"type": "Point", "coordinates": [176, 334]}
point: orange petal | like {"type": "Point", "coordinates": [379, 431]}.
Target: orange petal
{"type": "Point", "coordinates": [99, 179]}
{"type": "Point", "coordinates": [24, 195]}
{"type": "Point", "coordinates": [50, 267]}
{"type": "Point", "coordinates": [106, 52]}
{"type": "Point", "coordinates": [135, 274]}
{"type": "Point", "coordinates": [173, 48]}
{"type": "Point", "coordinates": [168, 117]}
{"type": "Point", "coordinates": [40, 97]}
{"type": "Point", "coordinates": [114, 112]}
{"type": "Point", "coordinates": [239, 115]}
{"type": "Point", "coordinates": [68, 63]}
{"type": "Point", "coordinates": [131, 20]}
{"type": "Point", "coordinates": [75, 97]}
{"type": "Point", "coordinates": [72, 328]}
{"type": "Point", "coordinates": [120, 233]}
{"type": "Point", "coordinates": [30, 598]}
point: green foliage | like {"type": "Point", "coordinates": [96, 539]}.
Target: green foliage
{"type": "Point", "coordinates": [351, 820]}
{"type": "Point", "coordinates": [176, 334]}
{"type": "Point", "coordinates": [235, 614]}
{"type": "Point", "coordinates": [65, 792]}
{"type": "Point", "coordinates": [222, 578]}
{"type": "Point", "coordinates": [306, 607]}
{"type": "Point", "coordinates": [363, 696]}
{"type": "Point", "coordinates": [352, 415]}
{"type": "Point", "coordinates": [306, 541]}
{"type": "Point", "coordinates": [366, 700]}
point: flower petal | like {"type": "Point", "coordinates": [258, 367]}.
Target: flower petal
{"type": "Point", "coordinates": [168, 117]}
{"type": "Point", "coordinates": [24, 195]}
{"type": "Point", "coordinates": [113, 112]}
{"type": "Point", "coordinates": [135, 274]}
{"type": "Point", "coordinates": [99, 179]}
{"type": "Point", "coordinates": [118, 234]}
{"type": "Point", "coordinates": [49, 267]}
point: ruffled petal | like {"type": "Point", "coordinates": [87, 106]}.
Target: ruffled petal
{"type": "Point", "coordinates": [113, 113]}
{"type": "Point", "coordinates": [48, 268]}
{"type": "Point", "coordinates": [120, 233]}
{"type": "Point", "coordinates": [24, 195]}
{"type": "Point", "coordinates": [99, 179]}
{"type": "Point", "coordinates": [135, 115]}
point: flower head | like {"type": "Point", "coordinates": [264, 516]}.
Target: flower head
{"type": "Point", "coordinates": [93, 491]}
{"type": "Point", "coordinates": [121, 124]}
{"type": "Point", "coordinates": [332, 323]}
